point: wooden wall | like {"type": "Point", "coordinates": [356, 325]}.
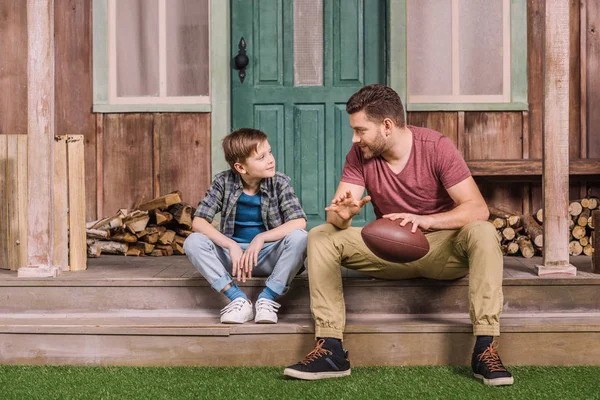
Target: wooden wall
{"type": "Point", "coordinates": [129, 156]}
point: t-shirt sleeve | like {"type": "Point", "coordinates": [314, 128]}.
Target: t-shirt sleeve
{"type": "Point", "coordinates": [451, 166]}
{"type": "Point", "coordinates": [353, 168]}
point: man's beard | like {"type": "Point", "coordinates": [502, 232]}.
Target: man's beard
{"type": "Point", "coordinates": [375, 149]}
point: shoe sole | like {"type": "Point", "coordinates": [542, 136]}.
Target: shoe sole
{"type": "Point", "coordinates": [313, 376]}
{"type": "Point", "coordinates": [237, 322]}
{"type": "Point", "coordinates": [495, 382]}
{"type": "Point", "coordinates": [265, 321]}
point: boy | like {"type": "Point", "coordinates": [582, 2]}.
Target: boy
{"type": "Point", "coordinates": [262, 229]}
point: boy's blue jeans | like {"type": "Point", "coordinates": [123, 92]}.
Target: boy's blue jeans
{"type": "Point", "coordinates": [280, 260]}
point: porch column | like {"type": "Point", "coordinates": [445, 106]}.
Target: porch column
{"type": "Point", "coordinates": [555, 178]}
{"type": "Point", "coordinates": [40, 131]}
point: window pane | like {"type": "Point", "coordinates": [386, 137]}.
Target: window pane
{"type": "Point", "coordinates": [480, 47]}
{"type": "Point", "coordinates": [429, 47]}
{"type": "Point", "coordinates": [187, 48]}
{"type": "Point", "coordinates": [308, 42]}
{"type": "Point", "coordinates": [137, 48]}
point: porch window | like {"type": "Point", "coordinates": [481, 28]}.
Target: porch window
{"type": "Point", "coordinates": [151, 55]}
{"type": "Point", "coordinates": [460, 54]}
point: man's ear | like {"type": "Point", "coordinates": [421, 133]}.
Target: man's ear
{"type": "Point", "coordinates": [239, 168]}
{"type": "Point", "coordinates": [388, 124]}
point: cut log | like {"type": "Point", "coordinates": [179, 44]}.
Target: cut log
{"type": "Point", "coordinates": [499, 223]}
{"type": "Point", "coordinates": [124, 237]}
{"type": "Point", "coordinates": [508, 233]}
{"type": "Point", "coordinates": [539, 215]}
{"type": "Point", "coordinates": [156, 253]}
{"type": "Point", "coordinates": [146, 248]}
{"type": "Point", "coordinates": [162, 202]}
{"type": "Point", "coordinates": [108, 223]}
{"type": "Point", "coordinates": [179, 239]}
{"type": "Point", "coordinates": [575, 208]}
{"type": "Point", "coordinates": [512, 248]}
{"type": "Point", "coordinates": [110, 247]}
{"type": "Point", "coordinates": [514, 221]}
{"type": "Point", "coordinates": [500, 213]}
{"type": "Point", "coordinates": [162, 217]}
{"type": "Point", "coordinates": [588, 250]}
{"type": "Point", "coordinates": [578, 232]}
{"type": "Point", "coordinates": [590, 223]}
{"type": "Point", "coordinates": [533, 229]}
{"type": "Point", "coordinates": [582, 219]}
{"type": "Point", "coordinates": [96, 234]}
{"type": "Point", "coordinates": [94, 250]}
{"type": "Point", "coordinates": [584, 241]}
{"type": "Point", "coordinates": [525, 246]}
{"type": "Point", "coordinates": [571, 224]}
{"type": "Point", "coordinates": [593, 203]}
{"type": "Point", "coordinates": [133, 251]}
{"type": "Point", "coordinates": [182, 213]}
{"type": "Point", "coordinates": [177, 248]}
{"type": "Point", "coordinates": [166, 238]}
{"type": "Point", "coordinates": [151, 238]}
{"type": "Point", "coordinates": [141, 234]}
{"type": "Point", "coordinates": [167, 250]}
{"type": "Point", "coordinates": [575, 248]}
{"type": "Point", "coordinates": [136, 224]}
{"type": "Point", "coordinates": [183, 232]}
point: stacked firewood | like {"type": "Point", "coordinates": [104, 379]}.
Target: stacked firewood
{"type": "Point", "coordinates": [523, 234]}
{"type": "Point", "coordinates": [155, 228]}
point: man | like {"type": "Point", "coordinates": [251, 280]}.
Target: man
{"type": "Point", "coordinates": [413, 175]}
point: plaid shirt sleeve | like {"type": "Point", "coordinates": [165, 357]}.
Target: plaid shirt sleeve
{"type": "Point", "coordinates": [212, 203]}
{"type": "Point", "coordinates": [288, 202]}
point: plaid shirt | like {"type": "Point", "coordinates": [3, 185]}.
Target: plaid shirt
{"type": "Point", "coordinates": [278, 202]}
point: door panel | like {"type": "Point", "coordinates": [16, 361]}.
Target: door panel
{"type": "Point", "coordinates": [307, 125]}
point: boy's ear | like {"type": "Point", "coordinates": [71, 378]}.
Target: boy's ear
{"type": "Point", "coordinates": [239, 168]}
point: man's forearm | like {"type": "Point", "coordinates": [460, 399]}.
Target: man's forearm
{"type": "Point", "coordinates": [334, 219]}
{"type": "Point", "coordinates": [459, 216]}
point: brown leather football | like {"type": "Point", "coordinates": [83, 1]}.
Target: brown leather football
{"type": "Point", "coordinates": [394, 243]}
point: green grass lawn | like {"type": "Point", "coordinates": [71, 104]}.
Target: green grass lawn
{"type": "Point", "coordinates": [28, 382]}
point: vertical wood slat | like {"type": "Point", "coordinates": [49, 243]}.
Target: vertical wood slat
{"type": "Point", "coordinates": [61, 204]}
{"type": "Point", "coordinates": [596, 242]}
{"type": "Point", "coordinates": [583, 78]}
{"type": "Point", "coordinates": [556, 138]}
{"type": "Point", "coordinates": [76, 180]}
{"type": "Point", "coordinates": [156, 128]}
{"type": "Point", "coordinates": [592, 38]}
{"type": "Point", "coordinates": [526, 187]}
{"type": "Point", "coordinates": [13, 198]}
{"type": "Point", "coordinates": [535, 79]}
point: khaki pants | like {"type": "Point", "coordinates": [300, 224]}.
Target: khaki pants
{"type": "Point", "coordinates": [473, 249]}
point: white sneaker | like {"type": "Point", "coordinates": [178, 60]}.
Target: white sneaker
{"type": "Point", "coordinates": [237, 312]}
{"type": "Point", "coordinates": [266, 311]}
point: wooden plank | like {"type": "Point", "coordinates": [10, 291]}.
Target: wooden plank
{"type": "Point", "coordinates": [77, 245]}
{"type": "Point", "coordinates": [556, 139]}
{"type": "Point", "coordinates": [528, 167]}
{"type": "Point", "coordinates": [460, 132]}
{"type": "Point", "coordinates": [575, 134]}
{"type": "Point", "coordinates": [40, 129]}
{"type": "Point", "coordinates": [535, 66]}
{"type": "Point", "coordinates": [596, 242]}
{"type": "Point", "coordinates": [493, 135]}
{"type": "Point", "coordinates": [22, 150]}
{"type": "Point", "coordinates": [99, 167]}
{"type": "Point", "coordinates": [61, 204]}
{"type": "Point", "coordinates": [73, 81]}
{"type": "Point", "coordinates": [13, 202]}
{"type": "Point", "coordinates": [127, 156]}
{"type": "Point", "coordinates": [3, 203]}
{"type": "Point", "coordinates": [185, 155]}
{"type": "Point", "coordinates": [13, 67]}
{"type": "Point", "coordinates": [592, 37]}
{"type": "Point", "coordinates": [583, 78]}
{"type": "Point", "coordinates": [156, 155]}
{"type": "Point", "coordinates": [443, 122]}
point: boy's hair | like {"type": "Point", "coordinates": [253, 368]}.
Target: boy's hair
{"type": "Point", "coordinates": [378, 102]}
{"type": "Point", "coordinates": [240, 144]}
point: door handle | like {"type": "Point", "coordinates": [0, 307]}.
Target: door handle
{"type": "Point", "coordinates": [241, 60]}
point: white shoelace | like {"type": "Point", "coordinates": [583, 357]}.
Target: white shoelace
{"type": "Point", "coordinates": [268, 305]}
{"type": "Point", "coordinates": [235, 305]}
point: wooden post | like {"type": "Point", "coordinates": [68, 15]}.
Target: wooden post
{"type": "Point", "coordinates": [596, 242]}
{"type": "Point", "coordinates": [40, 131]}
{"type": "Point", "coordinates": [556, 141]}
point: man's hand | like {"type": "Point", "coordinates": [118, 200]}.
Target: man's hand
{"type": "Point", "coordinates": [423, 221]}
{"type": "Point", "coordinates": [250, 257]}
{"type": "Point", "coordinates": [236, 253]}
{"type": "Point", "coordinates": [346, 207]}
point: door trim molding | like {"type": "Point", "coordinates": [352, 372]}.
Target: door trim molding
{"type": "Point", "coordinates": [220, 117]}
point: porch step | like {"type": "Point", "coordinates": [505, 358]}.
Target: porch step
{"type": "Point", "coordinates": [183, 337]}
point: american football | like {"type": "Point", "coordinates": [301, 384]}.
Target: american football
{"type": "Point", "coordinates": [392, 242]}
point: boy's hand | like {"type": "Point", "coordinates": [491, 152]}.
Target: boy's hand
{"type": "Point", "coordinates": [345, 205]}
{"type": "Point", "coordinates": [235, 253]}
{"type": "Point", "coordinates": [250, 258]}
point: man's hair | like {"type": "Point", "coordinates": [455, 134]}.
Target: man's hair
{"type": "Point", "coordinates": [378, 102]}
{"type": "Point", "coordinates": [240, 144]}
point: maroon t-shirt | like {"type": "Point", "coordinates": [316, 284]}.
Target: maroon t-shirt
{"type": "Point", "coordinates": [433, 166]}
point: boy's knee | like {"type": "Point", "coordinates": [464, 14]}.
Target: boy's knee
{"type": "Point", "coordinates": [297, 237]}
{"type": "Point", "coordinates": [197, 241]}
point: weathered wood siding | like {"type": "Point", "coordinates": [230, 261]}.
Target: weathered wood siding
{"type": "Point", "coordinates": [133, 155]}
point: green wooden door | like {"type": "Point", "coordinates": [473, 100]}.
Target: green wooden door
{"type": "Point", "coordinates": [300, 104]}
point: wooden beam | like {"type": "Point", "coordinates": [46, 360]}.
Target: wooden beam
{"type": "Point", "coordinates": [555, 145]}
{"type": "Point", "coordinates": [40, 130]}
{"type": "Point", "coordinates": [528, 167]}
